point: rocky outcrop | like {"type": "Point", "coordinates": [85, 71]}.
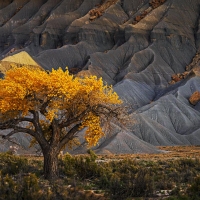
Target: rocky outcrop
{"type": "Point", "coordinates": [98, 12]}
{"type": "Point", "coordinates": [178, 77]}
{"type": "Point", "coordinates": [148, 49]}
{"type": "Point", "coordinates": [195, 98]}
{"type": "Point", "coordinates": [156, 3]}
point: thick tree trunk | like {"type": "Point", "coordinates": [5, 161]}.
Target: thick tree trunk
{"type": "Point", "coordinates": [51, 164]}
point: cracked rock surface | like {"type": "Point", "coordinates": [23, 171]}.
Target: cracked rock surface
{"type": "Point", "coordinates": [138, 55]}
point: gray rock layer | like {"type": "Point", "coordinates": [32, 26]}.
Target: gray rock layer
{"type": "Point", "coordinates": [137, 58]}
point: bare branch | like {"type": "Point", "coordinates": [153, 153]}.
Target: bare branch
{"type": "Point", "coordinates": [73, 120]}
{"type": "Point", "coordinates": [44, 107]}
{"type": "Point", "coordinates": [109, 111]}
{"type": "Point", "coordinates": [69, 136]}
{"type": "Point", "coordinates": [9, 134]}
{"type": "Point", "coordinates": [38, 130]}
{"type": "Point", "coordinates": [36, 121]}
{"type": "Point", "coordinates": [18, 129]}
{"type": "Point", "coordinates": [117, 114]}
{"type": "Point", "coordinates": [13, 122]}
{"type": "Point", "coordinates": [7, 124]}
{"type": "Point", "coordinates": [15, 143]}
{"type": "Point", "coordinates": [35, 115]}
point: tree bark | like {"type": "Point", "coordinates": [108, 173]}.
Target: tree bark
{"type": "Point", "coordinates": [51, 163]}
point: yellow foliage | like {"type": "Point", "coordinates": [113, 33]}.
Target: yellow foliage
{"type": "Point", "coordinates": [24, 89]}
{"type": "Point", "coordinates": [94, 131]}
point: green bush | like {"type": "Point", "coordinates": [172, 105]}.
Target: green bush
{"type": "Point", "coordinates": [19, 187]}
{"type": "Point", "coordinates": [21, 178]}
{"type": "Point", "coordinates": [194, 189]}
{"type": "Point", "coordinates": [10, 164]}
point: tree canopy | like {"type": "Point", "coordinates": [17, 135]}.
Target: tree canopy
{"type": "Point", "coordinates": [53, 106]}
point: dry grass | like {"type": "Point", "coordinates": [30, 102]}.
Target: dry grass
{"type": "Point", "coordinates": [173, 174]}
{"type": "Point", "coordinates": [170, 153]}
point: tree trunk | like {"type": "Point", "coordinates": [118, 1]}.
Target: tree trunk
{"type": "Point", "coordinates": [51, 164]}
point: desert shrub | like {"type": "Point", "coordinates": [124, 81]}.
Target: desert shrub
{"type": "Point", "coordinates": [19, 187]}
{"type": "Point", "coordinates": [84, 167]}
{"type": "Point", "coordinates": [10, 164]}
{"type": "Point", "coordinates": [176, 191]}
{"type": "Point", "coordinates": [29, 187]}
{"type": "Point", "coordinates": [116, 187]}
{"type": "Point", "coordinates": [143, 183]}
{"type": "Point", "coordinates": [67, 165]}
{"type": "Point", "coordinates": [129, 180]}
{"type": "Point", "coordinates": [8, 187]}
{"type": "Point", "coordinates": [194, 190]}
{"type": "Point", "coordinates": [188, 162]}
{"type": "Point", "coordinates": [181, 197]}
{"type": "Point", "coordinates": [115, 178]}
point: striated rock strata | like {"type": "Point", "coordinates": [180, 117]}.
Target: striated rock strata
{"type": "Point", "coordinates": [138, 46]}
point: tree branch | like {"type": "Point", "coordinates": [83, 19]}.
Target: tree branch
{"type": "Point", "coordinates": [39, 135]}
{"type": "Point", "coordinates": [69, 135]}
{"type": "Point", "coordinates": [14, 122]}
{"type": "Point", "coordinates": [9, 134]}
{"type": "Point", "coordinates": [18, 129]}
{"type": "Point", "coordinates": [107, 111]}
{"type": "Point", "coordinates": [44, 106]}
{"type": "Point", "coordinates": [7, 124]}
{"type": "Point", "coordinates": [73, 120]}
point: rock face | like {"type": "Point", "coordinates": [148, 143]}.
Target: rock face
{"type": "Point", "coordinates": [149, 51]}
{"type": "Point", "coordinates": [195, 98]}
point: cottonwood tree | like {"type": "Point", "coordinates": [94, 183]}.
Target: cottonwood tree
{"type": "Point", "coordinates": [53, 107]}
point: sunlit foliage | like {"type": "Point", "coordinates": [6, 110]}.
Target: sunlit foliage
{"type": "Point", "coordinates": [56, 95]}
{"type": "Point", "coordinates": [53, 107]}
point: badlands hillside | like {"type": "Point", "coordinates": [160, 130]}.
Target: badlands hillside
{"type": "Point", "coordinates": [149, 50]}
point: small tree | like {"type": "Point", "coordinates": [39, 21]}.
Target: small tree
{"type": "Point", "coordinates": [53, 106]}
